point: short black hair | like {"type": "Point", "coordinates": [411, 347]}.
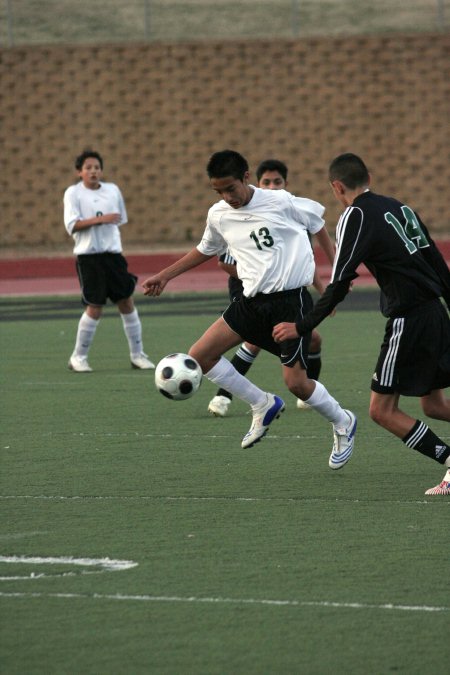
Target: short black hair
{"type": "Point", "coordinates": [227, 163]}
{"type": "Point", "coordinates": [80, 160]}
{"type": "Point", "coordinates": [272, 165]}
{"type": "Point", "coordinates": [350, 170]}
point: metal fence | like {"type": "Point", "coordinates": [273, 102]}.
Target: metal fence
{"type": "Point", "coordinates": [24, 22]}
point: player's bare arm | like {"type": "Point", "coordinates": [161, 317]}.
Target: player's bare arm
{"type": "Point", "coordinates": [111, 218]}
{"type": "Point", "coordinates": [229, 269]}
{"type": "Point", "coordinates": [326, 244]}
{"type": "Point", "coordinates": [155, 284]}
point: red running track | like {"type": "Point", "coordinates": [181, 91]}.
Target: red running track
{"type": "Point", "coordinates": [57, 276]}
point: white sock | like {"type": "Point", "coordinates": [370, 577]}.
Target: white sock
{"type": "Point", "coordinates": [85, 335]}
{"type": "Point", "coordinates": [327, 406]}
{"type": "Point", "coordinates": [133, 330]}
{"type": "Point", "coordinates": [228, 378]}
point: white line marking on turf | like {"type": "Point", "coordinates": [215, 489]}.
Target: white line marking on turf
{"type": "Point", "coordinates": [21, 535]}
{"type": "Point", "coordinates": [231, 601]}
{"type": "Point", "coordinates": [194, 498]}
{"type": "Point", "coordinates": [103, 565]}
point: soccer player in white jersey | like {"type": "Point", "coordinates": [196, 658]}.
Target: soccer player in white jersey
{"type": "Point", "coordinates": [94, 211]}
{"type": "Point", "coordinates": [271, 174]}
{"type": "Point", "coordinates": [266, 233]}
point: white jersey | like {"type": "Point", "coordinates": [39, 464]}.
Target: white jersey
{"type": "Point", "coordinates": [268, 238]}
{"type": "Point", "coordinates": [81, 203]}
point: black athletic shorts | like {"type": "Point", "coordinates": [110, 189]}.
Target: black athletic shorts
{"type": "Point", "coordinates": [103, 276]}
{"type": "Point", "coordinates": [415, 353]}
{"type": "Point", "coordinates": [254, 318]}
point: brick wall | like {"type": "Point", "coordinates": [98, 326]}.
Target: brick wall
{"type": "Point", "coordinates": [157, 111]}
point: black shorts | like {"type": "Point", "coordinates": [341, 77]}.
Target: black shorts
{"type": "Point", "coordinates": [415, 354]}
{"type": "Point", "coordinates": [103, 276]}
{"type": "Point", "coordinates": [253, 320]}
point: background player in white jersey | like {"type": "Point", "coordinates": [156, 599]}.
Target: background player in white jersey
{"type": "Point", "coordinates": [271, 174]}
{"type": "Point", "coordinates": [266, 233]}
{"type": "Point", "coordinates": [394, 244]}
{"type": "Point", "coordinates": [93, 214]}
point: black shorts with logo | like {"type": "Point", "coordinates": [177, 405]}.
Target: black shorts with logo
{"type": "Point", "coordinates": [253, 320]}
{"type": "Point", "coordinates": [415, 353]}
{"type": "Point", "coordinates": [103, 276]}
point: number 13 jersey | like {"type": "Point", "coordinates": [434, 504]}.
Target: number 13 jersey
{"type": "Point", "coordinates": [268, 238]}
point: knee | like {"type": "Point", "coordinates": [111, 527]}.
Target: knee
{"type": "Point", "coordinates": [435, 409]}
{"type": "Point", "coordinates": [126, 306]}
{"type": "Point", "coordinates": [377, 414]}
{"type": "Point", "coordinates": [316, 342]}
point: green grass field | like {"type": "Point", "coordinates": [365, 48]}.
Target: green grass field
{"type": "Point", "coordinates": [248, 562]}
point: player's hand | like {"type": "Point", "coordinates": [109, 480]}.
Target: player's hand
{"type": "Point", "coordinates": [154, 285]}
{"type": "Point", "coordinates": [284, 331]}
{"type": "Point", "coordinates": [113, 218]}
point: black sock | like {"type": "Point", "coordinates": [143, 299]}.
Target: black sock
{"type": "Point", "coordinates": [314, 365]}
{"type": "Point", "coordinates": [422, 439]}
{"type": "Point", "coordinates": [242, 361]}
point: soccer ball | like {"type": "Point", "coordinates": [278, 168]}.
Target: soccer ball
{"type": "Point", "coordinates": [178, 376]}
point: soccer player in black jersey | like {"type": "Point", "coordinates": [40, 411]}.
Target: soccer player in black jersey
{"type": "Point", "coordinates": [394, 244]}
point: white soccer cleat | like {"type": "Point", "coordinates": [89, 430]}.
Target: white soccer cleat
{"type": "Point", "coordinates": [79, 364]}
{"type": "Point", "coordinates": [263, 416]}
{"type": "Point", "coordinates": [344, 438]}
{"type": "Point", "coordinates": [301, 405]}
{"type": "Point", "coordinates": [219, 405]}
{"type": "Point", "coordinates": [141, 362]}
{"type": "Point", "coordinates": [443, 488]}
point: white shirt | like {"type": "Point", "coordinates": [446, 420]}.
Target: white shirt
{"type": "Point", "coordinates": [81, 203]}
{"type": "Point", "coordinates": [268, 239]}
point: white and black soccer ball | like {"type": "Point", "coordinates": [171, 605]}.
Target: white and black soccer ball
{"type": "Point", "coordinates": [178, 376]}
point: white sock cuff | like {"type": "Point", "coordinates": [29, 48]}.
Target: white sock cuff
{"type": "Point", "coordinates": [218, 370]}
{"type": "Point", "coordinates": [87, 321]}
{"type": "Point", "coordinates": [130, 319]}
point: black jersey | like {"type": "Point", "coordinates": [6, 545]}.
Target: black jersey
{"type": "Point", "coordinates": [393, 243]}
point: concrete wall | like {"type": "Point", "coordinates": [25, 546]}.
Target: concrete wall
{"type": "Point", "coordinates": [156, 113]}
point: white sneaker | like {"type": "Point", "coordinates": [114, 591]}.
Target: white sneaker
{"type": "Point", "coordinates": [301, 405]}
{"type": "Point", "coordinates": [263, 416]}
{"type": "Point", "coordinates": [344, 438]}
{"type": "Point", "coordinates": [443, 488]}
{"type": "Point", "coordinates": [79, 364]}
{"type": "Point", "coordinates": [141, 361]}
{"type": "Point", "coordinates": [219, 405]}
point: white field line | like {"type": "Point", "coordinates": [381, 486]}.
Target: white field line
{"type": "Point", "coordinates": [207, 437]}
{"type": "Point", "coordinates": [105, 563]}
{"type": "Point", "coordinates": [100, 565]}
{"type": "Point", "coordinates": [231, 601]}
{"type": "Point", "coordinates": [193, 498]}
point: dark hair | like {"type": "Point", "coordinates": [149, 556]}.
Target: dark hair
{"type": "Point", "coordinates": [227, 163]}
{"type": "Point", "coordinates": [80, 160]}
{"type": "Point", "coordinates": [350, 170]}
{"type": "Point", "coordinates": [272, 165]}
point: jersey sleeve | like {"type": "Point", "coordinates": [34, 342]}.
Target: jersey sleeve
{"type": "Point", "coordinates": [308, 212]}
{"type": "Point", "coordinates": [351, 246]}
{"type": "Point", "coordinates": [71, 209]}
{"type": "Point", "coordinates": [122, 208]}
{"type": "Point", "coordinates": [212, 242]}
{"type": "Point", "coordinates": [227, 258]}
